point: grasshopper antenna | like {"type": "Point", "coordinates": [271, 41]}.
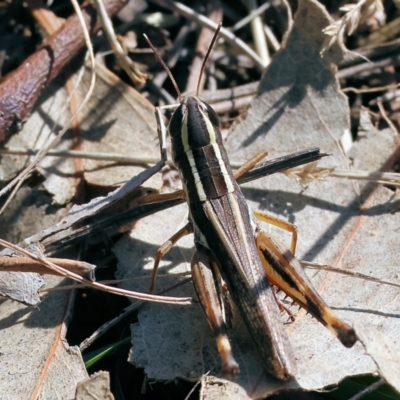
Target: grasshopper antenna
{"type": "Point", "coordinates": [214, 39]}
{"type": "Point", "coordinates": [165, 66]}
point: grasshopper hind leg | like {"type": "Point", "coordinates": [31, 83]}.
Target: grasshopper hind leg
{"type": "Point", "coordinates": [280, 223]}
{"type": "Point", "coordinates": [284, 271]}
{"type": "Point", "coordinates": [205, 286]}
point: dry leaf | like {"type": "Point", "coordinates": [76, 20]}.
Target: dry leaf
{"type": "Point", "coordinates": [51, 112]}
{"type": "Point", "coordinates": [95, 387]}
{"type": "Point", "coordinates": [118, 120]}
{"type": "Point", "coordinates": [28, 213]}
{"type": "Point", "coordinates": [36, 360]}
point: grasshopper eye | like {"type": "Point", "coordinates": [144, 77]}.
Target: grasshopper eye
{"type": "Point", "coordinates": [175, 124]}
{"type": "Point", "coordinates": [212, 115]}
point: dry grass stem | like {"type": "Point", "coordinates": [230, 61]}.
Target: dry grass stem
{"type": "Point", "coordinates": [257, 30]}
{"type": "Point", "coordinates": [68, 274]}
{"type": "Point", "coordinates": [26, 264]}
{"type": "Point", "coordinates": [105, 327]}
{"type": "Point", "coordinates": [355, 14]}
{"type": "Point", "coordinates": [134, 73]}
{"type": "Point", "coordinates": [368, 390]}
{"type": "Point", "coordinates": [204, 21]}
{"type": "Point", "coordinates": [310, 172]}
{"type": "Point", "coordinates": [357, 275]}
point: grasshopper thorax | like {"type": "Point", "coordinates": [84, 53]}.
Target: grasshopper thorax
{"type": "Point", "coordinates": [193, 125]}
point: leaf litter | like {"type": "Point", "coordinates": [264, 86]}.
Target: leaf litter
{"type": "Point", "coordinates": [299, 97]}
{"type": "Point", "coordinates": [36, 360]}
{"type": "Point", "coordinates": [344, 224]}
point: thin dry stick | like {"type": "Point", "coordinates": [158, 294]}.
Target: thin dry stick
{"type": "Point", "coordinates": [312, 171]}
{"type": "Point", "coordinates": [390, 95]}
{"type": "Point", "coordinates": [116, 157]}
{"type": "Point", "coordinates": [386, 118]}
{"type": "Point", "coordinates": [249, 164]}
{"type": "Point", "coordinates": [232, 105]}
{"type": "Point", "coordinates": [55, 124]}
{"type": "Point", "coordinates": [108, 325]}
{"type": "Point", "coordinates": [257, 30]}
{"type": "Point", "coordinates": [109, 289]}
{"type": "Point", "coordinates": [57, 139]}
{"type": "Point", "coordinates": [11, 196]}
{"type": "Point", "coordinates": [112, 282]}
{"type": "Point", "coordinates": [204, 21]}
{"type": "Point", "coordinates": [368, 67]}
{"type": "Point", "coordinates": [173, 54]}
{"type": "Point", "coordinates": [271, 38]}
{"type": "Point", "coordinates": [357, 275]}
{"type": "Point", "coordinates": [383, 178]}
{"type": "Point", "coordinates": [254, 13]}
{"type": "Point", "coordinates": [26, 264]}
{"type": "Point", "coordinates": [213, 97]}
{"type": "Point", "coordinates": [215, 14]}
{"type": "Point", "coordinates": [137, 76]}
{"type": "Point", "coordinates": [368, 389]}
{"type": "Point", "coordinates": [372, 90]}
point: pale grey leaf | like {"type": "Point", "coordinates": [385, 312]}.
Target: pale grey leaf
{"type": "Point", "coordinates": [384, 352]}
{"type": "Point", "coordinates": [36, 361]}
{"type": "Point", "coordinates": [97, 386]}
{"type": "Point", "coordinates": [30, 210]}
{"type": "Point", "coordinates": [49, 115]}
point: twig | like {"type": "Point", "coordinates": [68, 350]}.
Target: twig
{"type": "Point", "coordinates": [390, 95]}
{"type": "Point", "coordinates": [386, 97]}
{"type": "Point", "coordinates": [137, 76]}
{"type": "Point", "coordinates": [174, 53]}
{"type": "Point", "coordinates": [386, 118]}
{"type": "Point", "coordinates": [383, 178]}
{"type": "Point", "coordinates": [115, 157]}
{"type": "Point", "coordinates": [308, 264]}
{"type": "Point", "coordinates": [68, 274]}
{"type": "Point", "coordinates": [271, 38]}
{"type": "Point", "coordinates": [229, 94]}
{"type": "Point", "coordinates": [26, 264]}
{"type": "Point", "coordinates": [260, 42]}
{"type": "Point", "coordinates": [232, 105]}
{"type": "Point", "coordinates": [60, 134]}
{"type": "Point", "coordinates": [20, 89]}
{"type": "Point", "coordinates": [214, 13]}
{"type": "Point", "coordinates": [108, 325]}
{"type": "Point", "coordinates": [254, 13]}
{"type": "Point", "coordinates": [311, 171]}
{"type": "Point", "coordinates": [204, 21]}
{"type": "Point", "coordinates": [368, 389]}
{"type": "Point", "coordinates": [368, 67]}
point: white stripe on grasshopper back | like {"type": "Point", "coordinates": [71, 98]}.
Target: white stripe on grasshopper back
{"type": "Point", "coordinates": [185, 134]}
{"type": "Point", "coordinates": [227, 178]}
{"type": "Point", "coordinates": [199, 185]}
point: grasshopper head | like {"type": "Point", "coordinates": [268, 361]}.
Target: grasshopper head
{"type": "Point", "coordinates": [193, 125]}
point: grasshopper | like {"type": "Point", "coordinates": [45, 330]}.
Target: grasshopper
{"type": "Point", "coordinates": [230, 244]}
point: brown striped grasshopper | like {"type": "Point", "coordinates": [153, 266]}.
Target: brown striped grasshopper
{"type": "Point", "coordinates": [230, 244]}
